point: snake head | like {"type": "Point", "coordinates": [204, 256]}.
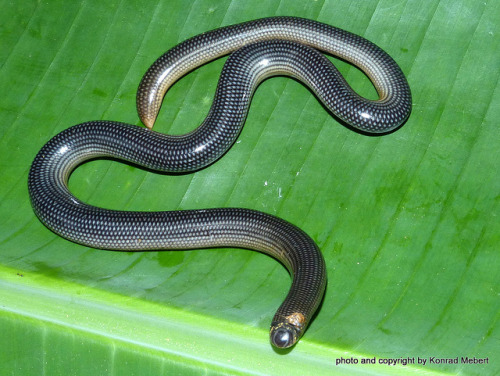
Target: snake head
{"type": "Point", "coordinates": [286, 333]}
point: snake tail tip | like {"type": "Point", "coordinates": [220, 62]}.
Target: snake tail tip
{"type": "Point", "coordinates": [149, 124]}
{"type": "Point", "coordinates": [147, 119]}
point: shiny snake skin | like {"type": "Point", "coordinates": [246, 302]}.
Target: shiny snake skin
{"type": "Point", "coordinates": [263, 48]}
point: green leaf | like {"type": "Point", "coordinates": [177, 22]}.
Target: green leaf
{"type": "Point", "coordinates": [408, 222]}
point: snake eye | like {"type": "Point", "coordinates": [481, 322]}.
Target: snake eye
{"type": "Point", "coordinates": [283, 336]}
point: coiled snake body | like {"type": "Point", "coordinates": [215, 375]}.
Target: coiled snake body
{"type": "Point", "coordinates": [263, 48]}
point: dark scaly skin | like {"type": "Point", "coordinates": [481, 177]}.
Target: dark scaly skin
{"type": "Point", "coordinates": [60, 211]}
{"type": "Point", "coordinates": [387, 113]}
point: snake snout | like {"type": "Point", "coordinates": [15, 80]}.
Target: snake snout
{"type": "Point", "coordinates": [284, 336]}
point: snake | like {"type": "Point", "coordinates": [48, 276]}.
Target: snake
{"type": "Point", "coordinates": [258, 49]}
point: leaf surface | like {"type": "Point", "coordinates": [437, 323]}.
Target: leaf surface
{"type": "Point", "coordinates": [408, 222]}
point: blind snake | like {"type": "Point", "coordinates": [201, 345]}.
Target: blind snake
{"type": "Point", "coordinates": [260, 49]}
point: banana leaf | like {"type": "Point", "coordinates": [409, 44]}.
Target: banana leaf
{"type": "Point", "coordinates": [408, 222]}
